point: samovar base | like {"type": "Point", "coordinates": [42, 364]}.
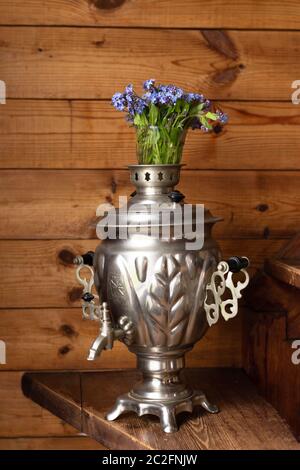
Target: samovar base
{"type": "Point", "coordinates": [162, 392]}
{"type": "Point", "coordinates": [166, 411]}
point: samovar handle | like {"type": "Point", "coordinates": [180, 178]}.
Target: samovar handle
{"type": "Point", "coordinates": [91, 308]}
{"type": "Point", "coordinates": [222, 280]}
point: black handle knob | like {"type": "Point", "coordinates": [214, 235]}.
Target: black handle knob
{"type": "Point", "coordinates": [87, 297]}
{"type": "Point", "coordinates": [236, 263]}
{"type": "Point", "coordinates": [176, 196]}
{"type": "Point", "coordinates": [88, 258]}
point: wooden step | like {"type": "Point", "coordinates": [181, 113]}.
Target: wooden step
{"type": "Point", "coordinates": [286, 265]}
{"type": "Point", "coordinates": [287, 271]}
{"type": "Point", "coordinates": [246, 420]}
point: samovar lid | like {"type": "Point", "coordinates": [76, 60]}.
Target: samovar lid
{"type": "Point", "coordinates": [156, 212]}
{"type": "Point", "coordinates": [155, 202]}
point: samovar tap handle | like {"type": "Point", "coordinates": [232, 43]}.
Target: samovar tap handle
{"type": "Point", "coordinates": [92, 309]}
{"type": "Point", "coordinates": [221, 280]}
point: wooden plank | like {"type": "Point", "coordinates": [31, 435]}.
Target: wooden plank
{"type": "Point", "coordinates": [286, 265]}
{"type": "Point", "coordinates": [91, 134]}
{"type": "Point", "coordinates": [250, 14]}
{"type": "Point", "coordinates": [50, 443]}
{"type": "Point", "coordinates": [246, 420]}
{"type": "Point", "coordinates": [40, 339]}
{"type": "Point", "coordinates": [21, 417]}
{"type": "Point", "coordinates": [288, 272]}
{"type": "Point", "coordinates": [268, 294]}
{"type": "Point", "coordinates": [93, 63]}
{"type": "Point", "coordinates": [34, 133]}
{"type": "Point", "coordinates": [41, 274]}
{"type": "Point", "coordinates": [268, 361]}
{"type": "Point", "coordinates": [62, 204]}
{"type": "Point", "coordinates": [62, 391]}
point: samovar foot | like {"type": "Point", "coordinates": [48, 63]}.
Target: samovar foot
{"type": "Point", "coordinates": [200, 399]}
{"type": "Point", "coordinates": [165, 411]}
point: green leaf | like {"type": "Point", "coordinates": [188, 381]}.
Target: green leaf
{"type": "Point", "coordinates": [178, 106]}
{"type": "Point", "coordinates": [137, 120]}
{"type": "Point", "coordinates": [144, 120]}
{"type": "Point", "coordinates": [205, 122]}
{"type": "Point", "coordinates": [153, 114]}
{"type": "Point", "coordinates": [186, 108]}
{"type": "Point", "coordinates": [197, 109]}
{"type": "Point", "coordinates": [212, 116]}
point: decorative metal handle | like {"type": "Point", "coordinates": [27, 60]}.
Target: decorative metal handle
{"type": "Point", "coordinates": [220, 281]}
{"type": "Point", "coordinates": [91, 308]}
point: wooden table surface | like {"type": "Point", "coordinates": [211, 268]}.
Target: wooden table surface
{"type": "Point", "coordinates": [246, 420]}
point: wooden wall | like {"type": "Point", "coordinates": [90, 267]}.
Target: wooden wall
{"type": "Point", "coordinates": [63, 150]}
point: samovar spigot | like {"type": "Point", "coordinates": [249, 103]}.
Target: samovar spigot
{"type": "Point", "coordinates": [108, 334]}
{"type": "Point", "coordinates": [92, 309]}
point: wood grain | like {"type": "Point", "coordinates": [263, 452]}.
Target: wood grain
{"type": "Point", "coordinates": [62, 204]}
{"type": "Point", "coordinates": [42, 275]}
{"type": "Point", "coordinates": [286, 271]}
{"type": "Point", "coordinates": [91, 134]}
{"type": "Point", "coordinates": [268, 294]}
{"type": "Point", "coordinates": [71, 128]}
{"type": "Point", "coordinates": [67, 404]}
{"type": "Point", "coordinates": [250, 14]}
{"type": "Point", "coordinates": [93, 63]}
{"type": "Point", "coordinates": [40, 339]}
{"type": "Point", "coordinates": [50, 443]}
{"type": "Point", "coordinates": [268, 363]}
{"type": "Point", "coordinates": [21, 417]}
{"type": "Point", "coordinates": [246, 421]}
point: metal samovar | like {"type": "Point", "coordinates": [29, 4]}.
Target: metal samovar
{"type": "Point", "coordinates": [157, 295]}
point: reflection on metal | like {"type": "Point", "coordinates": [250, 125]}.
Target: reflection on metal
{"type": "Point", "coordinates": [92, 310]}
{"type": "Point", "coordinates": [166, 412]}
{"type": "Point", "coordinates": [154, 292]}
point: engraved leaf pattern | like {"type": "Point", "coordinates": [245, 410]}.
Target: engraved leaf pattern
{"type": "Point", "coordinates": [166, 302]}
{"type": "Point", "coordinates": [125, 284]}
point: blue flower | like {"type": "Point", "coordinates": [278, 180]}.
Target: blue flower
{"type": "Point", "coordinates": [174, 93]}
{"type": "Point", "coordinates": [119, 101]}
{"type": "Point", "coordinates": [129, 93]}
{"type": "Point", "coordinates": [139, 105]}
{"type": "Point", "coordinates": [150, 97]}
{"type": "Point", "coordinates": [129, 89]}
{"type": "Point", "coordinates": [189, 97]}
{"type": "Point", "coordinates": [149, 84]}
{"type": "Point", "coordinates": [162, 98]}
{"type": "Point", "coordinates": [223, 118]}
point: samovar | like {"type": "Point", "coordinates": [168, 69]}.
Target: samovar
{"type": "Point", "coordinates": [157, 294]}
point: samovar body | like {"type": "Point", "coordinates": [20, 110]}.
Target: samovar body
{"type": "Point", "coordinates": [154, 288]}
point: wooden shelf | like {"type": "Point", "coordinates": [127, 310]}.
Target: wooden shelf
{"type": "Point", "coordinates": [246, 420]}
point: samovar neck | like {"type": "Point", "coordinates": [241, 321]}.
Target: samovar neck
{"type": "Point", "coordinates": [154, 179]}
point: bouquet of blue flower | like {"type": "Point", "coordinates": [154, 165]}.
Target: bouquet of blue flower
{"type": "Point", "coordinates": [162, 117]}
